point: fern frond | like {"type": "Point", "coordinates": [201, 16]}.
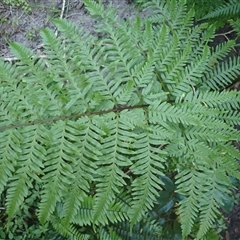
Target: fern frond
{"type": "Point", "coordinates": [16, 193]}
{"type": "Point", "coordinates": [84, 214]}
{"type": "Point", "coordinates": [193, 72]}
{"type": "Point", "coordinates": [83, 168]}
{"type": "Point", "coordinates": [116, 148]}
{"type": "Point", "coordinates": [147, 166]}
{"type": "Point", "coordinates": [29, 168]}
{"type": "Point", "coordinates": [108, 235]}
{"type": "Point", "coordinates": [141, 231]}
{"type": "Point", "coordinates": [164, 112]}
{"type": "Point", "coordinates": [68, 230]}
{"type": "Point", "coordinates": [58, 170]}
{"type": "Point", "coordinates": [188, 182]}
{"type": "Point", "coordinates": [222, 75]}
{"type": "Point", "coordinates": [228, 99]}
{"type": "Point", "coordinates": [230, 8]}
{"type": "Point", "coordinates": [212, 199]}
{"type": "Point", "coordinates": [94, 8]}
{"type": "Point", "coordinates": [220, 52]}
{"type": "Point", "coordinates": [228, 152]}
{"type": "Point", "coordinates": [172, 14]}
{"type": "Point", "coordinates": [99, 119]}
{"type": "Point", "coordinates": [10, 148]}
{"type": "Point", "coordinates": [235, 23]}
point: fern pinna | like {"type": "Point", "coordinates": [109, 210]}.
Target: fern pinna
{"type": "Point", "coordinates": [94, 122]}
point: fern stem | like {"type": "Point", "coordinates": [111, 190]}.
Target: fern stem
{"type": "Point", "coordinates": [54, 119]}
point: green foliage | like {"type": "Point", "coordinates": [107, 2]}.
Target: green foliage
{"type": "Point", "coordinates": [230, 8]}
{"type": "Point", "coordinates": [204, 7]}
{"type": "Point", "coordinates": [226, 12]}
{"type": "Point", "coordinates": [221, 12]}
{"type": "Point", "coordinates": [25, 225]}
{"type": "Point", "coordinates": [99, 124]}
{"type": "Point", "coordinates": [19, 3]}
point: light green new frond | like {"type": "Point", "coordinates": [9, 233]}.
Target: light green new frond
{"type": "Point", "coordinates": [147, 167]}
{"type": "Point", "coordinates": [222, 75]}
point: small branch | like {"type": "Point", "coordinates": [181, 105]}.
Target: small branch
{"type": "Point", "coordinates": [224, 34]}
{"type": "Point", "coordinates": [13, 59]}
{"type": "Point", "coordinates": [63, 8]}
{"type": "Point", "coordinates": [61, 14]}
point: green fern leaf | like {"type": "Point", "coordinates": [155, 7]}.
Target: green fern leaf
{"type": "Point", "coordinates": [222, 75]}
{"type": "Point", "coordinates": [188, 211]}
{"type": "Point", "coordinates": [230, 8]}
{"type": "Point", "coordinates": [10, 148]}
{"type": "Point", "coordinates": [147, 165]}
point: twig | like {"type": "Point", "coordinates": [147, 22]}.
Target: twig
{"type": "Point", "coordinates": [224, 34]}
{"type": "Point", "coordinates": [61, 14]}
{"type": "Point", "coordinates": [12, 59]}
{"type": "Point", "coordinates": [63, 8]}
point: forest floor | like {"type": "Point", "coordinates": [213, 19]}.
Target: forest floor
{"type": "Point", "coordinates": [24, 27]}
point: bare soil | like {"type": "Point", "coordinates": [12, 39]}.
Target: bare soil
{"type": "Point", "coordinates": [21, 26]}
